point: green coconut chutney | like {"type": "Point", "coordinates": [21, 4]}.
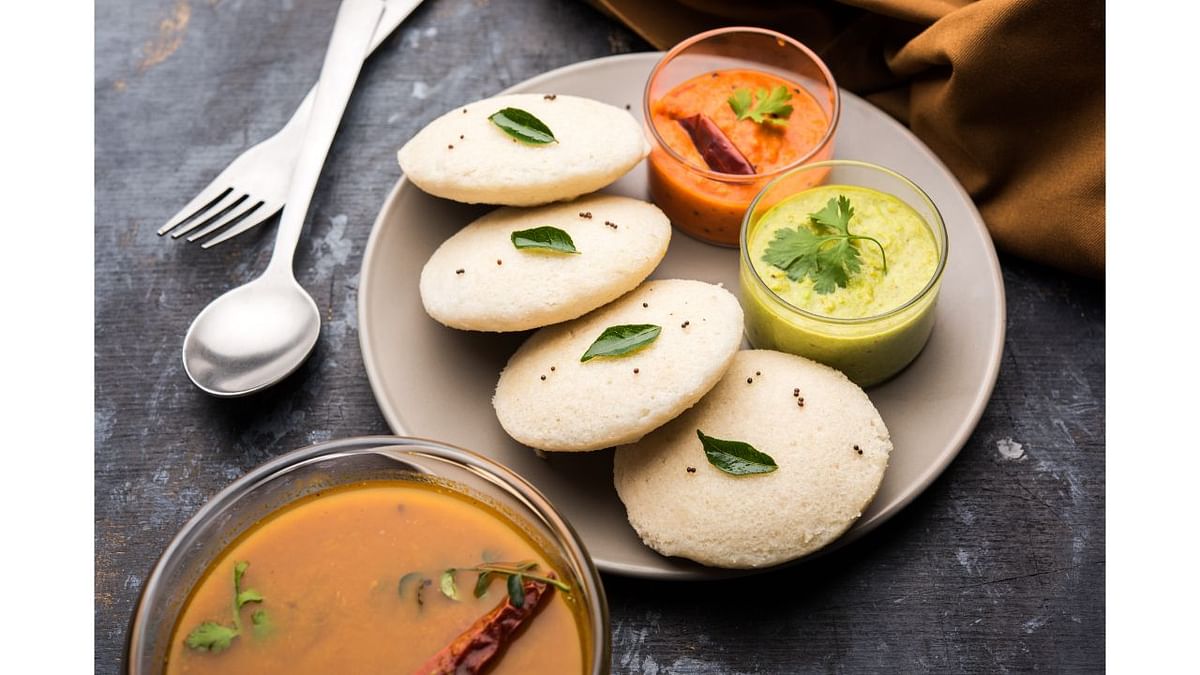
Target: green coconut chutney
{"type": "Point", "coordinates": [857, 328]}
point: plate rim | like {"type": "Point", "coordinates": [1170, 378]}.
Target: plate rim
{"type": "Point", "coordinates": [959, 437]}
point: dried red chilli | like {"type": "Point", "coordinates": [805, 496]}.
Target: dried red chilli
{"type": "Point", "coordinates": [718, 152]}
{"type": "Point", "coordinates": [473, 652]}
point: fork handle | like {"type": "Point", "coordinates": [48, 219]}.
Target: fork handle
{"type": "Point", "coordinates": [395, 12]}
{"type": "Point", "coordinates": [348, 47]}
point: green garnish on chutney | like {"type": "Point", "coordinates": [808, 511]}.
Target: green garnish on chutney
{"type": "Point", "coordinates": [211, 636]}
{"type": "Point", "coordinates": [735, 457]}
{"type": "Point", "coordinates": [523, 126]}
{"type": "Point", "coordinates": [766, 107]}
{"type": "Point", "coordinates": [622, 340]}
{"type": "Point", "coordinates": [544, 238]}
{"type": "Point", "coordinates": [828, 256]}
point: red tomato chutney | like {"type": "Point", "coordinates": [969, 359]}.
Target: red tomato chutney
{"type": "Point", "coordinates": [709, 204]}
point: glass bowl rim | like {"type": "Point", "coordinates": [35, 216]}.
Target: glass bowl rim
{"type": "Point", "coordinates": [565, 536]}
{"type": "Point", "coordinates": [943, 247]}
{"type": "Point", "coordinates": [826, 138]}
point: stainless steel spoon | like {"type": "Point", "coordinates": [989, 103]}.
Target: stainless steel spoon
{"type": "Point", "coordinates": [257, 334]}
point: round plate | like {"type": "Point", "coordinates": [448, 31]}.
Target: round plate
{"type": "Point", "coordinates": [437, 382]}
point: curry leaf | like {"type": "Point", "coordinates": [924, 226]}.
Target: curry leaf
{"type": "Point", "coordinates": [481, 584]}
{"type": "Point", "coordinates": [735, 457]}
{"type": "Point", "coordinates": [516, 590]}
{"type": "Point", "coordinates": [545, 238]}
{"type": "Point", "coordinates": [407, 578]}
{"type": "Point", "coordinates": [622, 340]}
{"type": "Point", "coordinates": [447, 585]}
{"type": "Point", "coordinates": [523, 126]}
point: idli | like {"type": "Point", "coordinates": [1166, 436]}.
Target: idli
{"type": "Point", "coordinates": [472, 155]}
{"type": "Point", "coordinates": [616, 374]}
{"type": "Point", "coordinates": [517, 269]}
{"type": "Point", "coordinates": [828, 444]}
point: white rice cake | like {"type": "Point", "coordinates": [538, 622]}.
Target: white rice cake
{"type": "Point", "coordinates": [479, 280]}
{"type": "Point", "coordinates": [463, 156]}
{"type": "Point", "coordinates": [824, 434]}
{"type": "Point", "coordinates": [548, 399]}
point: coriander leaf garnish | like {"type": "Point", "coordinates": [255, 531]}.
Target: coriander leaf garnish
{"type": "Point", "coordinates": [545, 238]}
{"type": "Point", "coordinates": [622, 340]}
{"type": "Point", "coordinates": [828, 258]}
{"type": "Point", "coordinates": [248, 596]}
{"type": "Point", "coordinates": [735, 457]}
{"type": "Point", "coordinates": [523, 126]}
{"type": "Point", "coordinates": [211, 636]}
{"type": "Point", "coordinates": [770, 107]}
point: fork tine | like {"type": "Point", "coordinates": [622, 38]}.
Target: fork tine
{"type": "Point", "coordinates": [229, 219]}
{"type": "Point", "coordinates": [201, 222]}
{"type": "Point", "coordinates": [199, 205]}
{"type": "Point", "coordinates": [251, 220]}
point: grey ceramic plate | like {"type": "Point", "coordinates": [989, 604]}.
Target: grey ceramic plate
{"type": "Point", "coordinates": [436, 382]}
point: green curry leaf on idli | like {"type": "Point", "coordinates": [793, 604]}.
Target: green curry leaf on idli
{"type": "Point", "coordinates": [544, 238]}
{"type": "Point", "coordinates": [622, 340]}
{"type": "Point", "coordinates": [735, 457]}
{"type": "Point", "coordinates": [523, 126]}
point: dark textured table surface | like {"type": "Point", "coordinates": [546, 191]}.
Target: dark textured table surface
{"type": "Point", "coordinates": [998, 567]}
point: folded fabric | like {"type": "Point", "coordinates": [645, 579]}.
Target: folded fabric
{"type": "Point", "coordinates": [1008, 93]}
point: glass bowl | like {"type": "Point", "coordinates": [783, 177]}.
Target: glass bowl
{"type": "Point", "coordinates": [709, 204]}
{"type": "Point", "coordinates": [870, 349]}
{"type": "Point", "coordinates": [302, 472]}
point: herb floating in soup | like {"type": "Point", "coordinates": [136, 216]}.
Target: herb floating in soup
{"type": "Point", "coordinates": [213, 636]}
{"type": "Point", "coordinates": [356, 580]}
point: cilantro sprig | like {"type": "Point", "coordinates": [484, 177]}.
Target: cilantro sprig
{"type": "Point", "coordinates": [211, 636]}
{"type": "Point", "coordinates": [764, 107]}
{"type": "Point", "coordinates": [828, 255]}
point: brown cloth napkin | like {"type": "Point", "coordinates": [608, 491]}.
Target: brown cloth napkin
{"type": "Point", "coordinates": [1008, 93]}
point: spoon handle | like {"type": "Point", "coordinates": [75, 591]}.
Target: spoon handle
{"type": "Point", "coordinates": [348, 46]}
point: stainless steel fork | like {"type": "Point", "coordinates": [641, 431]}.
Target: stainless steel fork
{"type": "Point", "coordinates": [254, 186]}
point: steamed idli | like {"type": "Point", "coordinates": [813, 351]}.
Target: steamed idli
{"type": "Point", "coordinates": [829, 443]}
{"type": "Point", "coordinates": [479, 280]}
{"type": "Point", "coordinates": [548, 398]}
{"type": "Point", "coordinates": [464, 156]}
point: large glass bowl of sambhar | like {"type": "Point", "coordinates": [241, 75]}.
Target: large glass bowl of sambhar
{"type": "Point", "coordinates": [272, 491]}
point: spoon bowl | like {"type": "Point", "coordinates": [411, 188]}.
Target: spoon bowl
{"type": "Point", "coordinates": [251, 337]}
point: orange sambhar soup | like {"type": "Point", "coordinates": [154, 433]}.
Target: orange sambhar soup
{"type": "Point", "coordinates": [329, 567]}
{"type": "Point", "coordinates": [711, 209]}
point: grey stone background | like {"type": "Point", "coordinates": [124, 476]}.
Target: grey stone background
{"type": "Point", "coordinates": [998, 567]}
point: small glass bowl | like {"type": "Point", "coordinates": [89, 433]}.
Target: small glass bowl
{"type": "Point", "coordinates": [871, 349]}
{"type": "Point", "coordinates": [285, 479]}
{"type": "Point", "coordinates": [709, 204]}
